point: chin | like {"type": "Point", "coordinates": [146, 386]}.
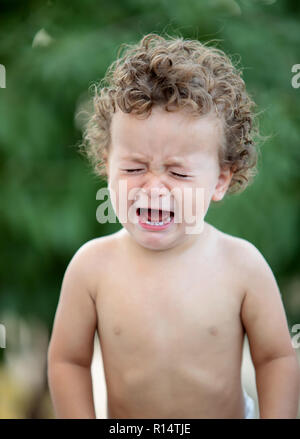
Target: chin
{"type": "Point", "coordinates": [153, 240]}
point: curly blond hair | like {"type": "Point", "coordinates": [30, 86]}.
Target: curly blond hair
{"type": "Point", "coordinates": [176, 73]}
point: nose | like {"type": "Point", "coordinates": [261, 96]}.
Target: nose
{"type": "Point", "coordinates": [153, 187]}
{"type": "Point", "coordinates": [154, 193]}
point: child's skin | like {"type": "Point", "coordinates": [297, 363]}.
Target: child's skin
{"type": "Point", "coordinates": [171, 308]}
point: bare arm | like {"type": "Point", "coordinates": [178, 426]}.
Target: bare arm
{"type": "Point", "coordinates": [72, 341]}
{"type": "Point", "coordinates": [273, 356]}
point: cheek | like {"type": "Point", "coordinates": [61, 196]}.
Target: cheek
{"type": "Point", "coordinates": [208, 180]}
{"type": "Point", "coordinates": [122, 193]}
{"type": "Point", "coordinates": [197, 198]}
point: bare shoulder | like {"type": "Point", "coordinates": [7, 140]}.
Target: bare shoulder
{"type": "Point", "coordinates": [238, 249]}
{"type": "Point", "coordinates": [91, 259]}
{"type": "Point", "coordinates": [97, 248]}
{"type": "Point", "coordinates": [94, 248]}
{"type": "Point", "coordinates": [248, 263]}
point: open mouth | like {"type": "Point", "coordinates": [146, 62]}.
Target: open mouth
{"type": "Point", "coordinates": [155, 217]}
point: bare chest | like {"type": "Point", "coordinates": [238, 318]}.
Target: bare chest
{"type": "Point", "coordinates": [176, 312]}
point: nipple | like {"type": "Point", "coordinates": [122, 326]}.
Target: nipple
{"type": "Point", "coordinates": [117, 330]}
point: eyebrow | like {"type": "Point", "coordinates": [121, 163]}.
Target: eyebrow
{"type": "Point", "coordinates": [170, 161]}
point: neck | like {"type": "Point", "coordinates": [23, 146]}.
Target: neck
{"type": "Point", "coordinates": [193, 243]}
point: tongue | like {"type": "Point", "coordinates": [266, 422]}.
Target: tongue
{"type": "Point", "coordinates": [158, 215]}
{"type": "Point", "coordinates": [154, 215]}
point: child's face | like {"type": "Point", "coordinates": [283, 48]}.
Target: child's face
{"type": "Point", "coordinates": [141, 156]}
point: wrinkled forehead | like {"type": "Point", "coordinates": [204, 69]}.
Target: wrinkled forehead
{"type": "Point", "coordinates": [165, 134]}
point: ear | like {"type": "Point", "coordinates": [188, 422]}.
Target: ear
{"type": "Point", "coordinates": [224, 180]}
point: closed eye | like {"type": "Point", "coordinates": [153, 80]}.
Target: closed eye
{"type": "Point", "coordinates": [131, 171]}
{"type": "Point", "coordinates": [179, 175]}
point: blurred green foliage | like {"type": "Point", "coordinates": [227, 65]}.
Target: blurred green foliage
{"type": "Point", "coordinates": [53, 51]}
